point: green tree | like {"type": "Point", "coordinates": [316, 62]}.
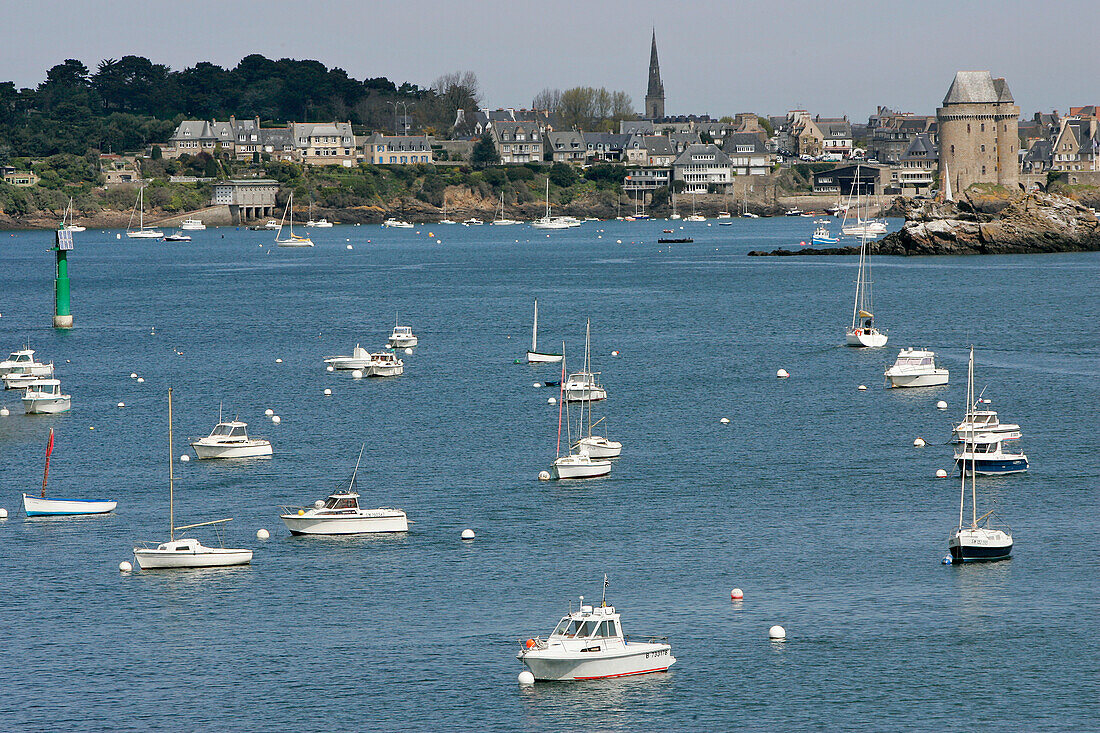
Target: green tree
{"type": "Point", "coordinates": [562, 175]}
{"type": "Point", "coordinates": [485, 152]}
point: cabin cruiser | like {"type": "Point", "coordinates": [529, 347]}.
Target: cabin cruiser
{"type": "Point", "coordinates": [584, 387]}
{"type": "Point", "coordinates": [392, 223]}
{"type": "Point", "coordinates": [360, 359]}
{"type": "Point", "coordinates": [385, 364]}
{"type": "Point", "coordinates": [43, 397]}
{"type": "Point", "coordinates": [340, 514]}
{"type": "Point", "coordinates": [178, 236]}
{"type": "Point", "coordinates": [402, 338]}
{"type": "Point", "coordinates": [589, 644]}
{"type": "Point", "coordinates": [230, 440]}
{"type": "Point", "coordinates": [321, 223]}
{"type": "Point", "coordinates": [271, 224]}
{"type": "Point", "coordinates": [25, 360]}
{"type": "Point", "coordinates": [20, 378]}
{"type": "Point", "coordinates": [985, 455]}
{"type": "Point", "coordinates": [189, 553]}
{"type": "Point", "coordinates": [192, 225]}
{"type": "Point", "coordinates": [916, 368]}
{"type": "Point", "coordinates": [985, 421]}
{"type": "Point", "coordinates": [548, 222]}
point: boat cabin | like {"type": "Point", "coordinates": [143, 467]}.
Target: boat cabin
{"type": "Point", "coordinates": [582, 379]}
{"type": "Point", "coordinates": [45, 388]}
{"type": "Point", "coordinates": [342, 502]}
{"type": "Point", "coordinates": [229, 431]}
{"type": "Point", "coordinates": [21, 357]}
{"type": "Point", "coordinates": [914, 361]}
{"type": "Point", "coordinates": [402, 332]}
{"type": "Point", "coordinates": [589, 623]}
{"type": "Point", "coordinates": [385, 357]}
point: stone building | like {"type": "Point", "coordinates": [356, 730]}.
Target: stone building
{"type": "Point", "coordinates": [252, 198]}
{"type": "Point", "coordinates": [655, 93]}
{"type": "Point", "coordinates": [978, 132]}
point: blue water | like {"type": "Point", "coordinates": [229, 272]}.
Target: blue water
{"type": "Point", "coordinates": [812, 499]}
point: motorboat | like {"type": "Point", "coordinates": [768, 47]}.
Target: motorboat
{"type": "Point", "coordinates": [534, 356]}
{"type": "Point", "coordinates": [472, 222]}
{"type": "Point", "coordinates": [271, 224]}
{"type": "Point", "coordinates": [723, 215]}
{"type": "Point", "coordinates": [43, 397]}
{"type": "Point", "coordinates": [915, 368]}
{"type": "Point", "coordinates": [823, 236]}
{"type": "Point", "coordinates": [291, 239]}
{"type": "Point", "coordinates": [984, 422]}
{"type": "Point", "coordinates": [986, 455]}
{"type": "Point", "coordinates": [321, 223]}
{"type": "Point", "coordinates": [178, 237]}
{"type": "Point", "coordinates": [584, 386]}
{"type": "Point", "coordinates": [340, 514]}
{"type": "Point", "coordinates": [392, 223]}
{"type": "Point", "coordinates": [67, 224]}
{"type": "Point", "coordinates": [402, 338]}
{"type": "Point", "coordinates": [979, 541]}
{"type": "Point", "coordinates": [19, 378]}
{"type": "Point", "coordinates": [589, 644]}
{"type": "Point", "coordinates": [142, 232]}
{"type": "Point", "coordinates": [230, 440]}
{"type": "Point", "coordinates": [192, 225]}
{"type": "Point", "coordinates": [42, 506]}
{"type": "Point", "coordinates": [360, 359]}
{"type": "Point", "coordinates": [385, 364]}
{"type": "Point", "coordinates": [863, 331]}
{"type": "Point", "coordinates": [186, 552]}
{"type": "Point", "coordinates": [24, 360]}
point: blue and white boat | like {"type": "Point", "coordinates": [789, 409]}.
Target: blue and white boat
{"type": "Point", "coordinates": [985, 455]}
{"type": "Point", "coordinates": [822, 235]}
{"type": "Point", "coordinates": [41, 506]}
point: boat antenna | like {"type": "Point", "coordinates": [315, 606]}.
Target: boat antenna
{"type": "Point", "coordinates": [171, 476]}
{"type": "Point", "coordinates": [603, 594]}
{"type": "Point", "coordinates": [561, 395]}
{"type": "Point", "coordinates": [361, 449]}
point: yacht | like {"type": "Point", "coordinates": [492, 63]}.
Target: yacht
{"type": "Point", "coordinates": [553, 222]}
{"type": "Point", "coordinates": [385, 364]}
{"type": "Point", "coordinates": [230, 440]}
{"type": "Point", "coordinates": [24, 359]}
{"type": "Point", "coordinates": [589, 644]}
{"type": "Point", "coordinates": [392, 223]}
{"type": "Point", "coordinates": [43, 397]}
{"type": "Point", "coordinates": [986, 455]}
{"type": "Point", "coordinates": [402, 338]}
{"type": "Point", "coordinates": [501, 220]}
{"type": "Point", "coordinates": [984, 422]}
{"type": "Point", "coordinates": [292, 239]}
{"type": "Point", "coordinates": [20, 378]}
{"type": "Point", "coordinates": [67, 224]}
{"type": "Point", "coordinates": [534, 356]}
{"type": "Point", "coordinates": [340, 514]}
{"type": "Point", "coordinates": [142, 232]}
{"type": "Point", "coordinates": [915, 368]}
{"type": "Point", "coordinates": [321, 223]}
{"type": "Point", "coordinates": [192, 225]}
{"type": "Point", "coordinates": [179, 236]}
{"type": "Point", "coordinates": [583, 386]}
{"type": "Point", "coordinates": [863, 331]}
{"type": "Point", "coordinates": [360, 359]}
{"type": "Point", "coordinates": [869, 228]}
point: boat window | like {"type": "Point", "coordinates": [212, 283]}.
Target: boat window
{"type": "Point", "coordinates": [611, 629]}
{"type": "Point", "coordinates": [181, 549]}
{"type": "Point", "coordinates": [602, 630]}
{"type": "Point", "coordinates": [221, 430]}
{"type": "Point", "coordinates": [586, 629]}
{"type": "Point", "coordinates": [238, 432]}
{"type": "Point", "coordinates": [563, 625]}
{"type": "Point", "coordinates": [925, 360]}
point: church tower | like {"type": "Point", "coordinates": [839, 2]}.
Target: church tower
{"type": "Point", "coordinates": [655, 94]}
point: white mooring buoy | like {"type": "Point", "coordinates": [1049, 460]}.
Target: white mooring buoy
{"type": "Point", "coordinates": [278, 361]}
{"type": "Point", "coordinates": [526, 679]}
{"type": "Point", "coordinates": [536, 385]}
{"type": "Point", "coordinates": [125, 566]}
{"type": "Point", "coordinates": [3, 513]}
{"type": "Point", "coordinates": [262, 534]}
{"type": "Point", "coordinates": [269, 412]}
{"type": "Point", "coordinates": [782, 374]}
{"type": "Point", "coordinates": [133, 375]}
{"type": "Point", "coordinates": [185, 458]}
{"type": "Point", "coordinates": [940, 473]}
{"type": "Point", "coordinates": [941, 405]}
{"type": "Point", "coordinates": [468, 534]}
{"type": "Point", "coordinates": [121, 405]}
{"type": "Point", "coordinates": [736, 594]}
{"type": "Point", "coordinates": [141, 380]}
{"type": "Point", "coordinates": [862, 388]}
{"type": "Point", "coordinates": [725, 421]}
{"type": "Point", "coordinates": [330, 368]}
{"type": "Point", "coordinates": [552, 401]}
{"type": "Point", "coordinates": [276, 419]}
{"type": "Point", "coordinates": [328, 393]}
{"type": "Point", "coordinates": [357, 374]}
{"type": "Point", "coordinates": [408, 351]}
{"type": "Point", "coordinates": [4, 412]}
{"type": "Point", "coordinates": [777, 633]}
{"type": "Point", "coordinates": [544, 475]}
{"type": "Point", "coordinates": [919, 443]}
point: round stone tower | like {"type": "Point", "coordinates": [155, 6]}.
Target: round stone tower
{"type": "Point", "coordinates": [978, 132]}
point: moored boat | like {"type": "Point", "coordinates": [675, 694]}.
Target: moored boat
{"type": "Point", "coordinates": [534, 356]}
{"type": "Point", "coordinates": [230, 440]}
{"type": "Point", "coordinates": [360, 359]}
{"type": "Point", "coordinates": [44, 397]}
{"type": "Point", "coordinates": [916, 368]}
{"type": "Point", "coordinates": [42, 506]}
{"type": "Point", "coordinates": [25, 362]}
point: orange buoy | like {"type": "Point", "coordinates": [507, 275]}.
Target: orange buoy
{"type": "Point", "coordinates": [530, 643]}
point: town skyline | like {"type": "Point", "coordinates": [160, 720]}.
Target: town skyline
{"type": "Point", "coordinates": [804, 70]}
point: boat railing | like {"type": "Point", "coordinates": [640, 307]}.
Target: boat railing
{"type": "Point", "coordinates": [536, 643]}
{"type": "Point", "coordinates": [644, 639]}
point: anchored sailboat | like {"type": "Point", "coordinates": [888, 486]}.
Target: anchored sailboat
{"type": "Point", "coordinates": [291, 240]}
{"type": "Point", "coordinates": [533, 354]}
{"type": "Point", "coordinates": [863, 332]}
{"type": "Point", "coordinates": [39, 506]}
{"type": "Point", "coordinates": [575, 463]}
{"type": "Point", "coordinates": [142, 232]}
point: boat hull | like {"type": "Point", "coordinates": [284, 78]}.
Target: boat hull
{"type": "Point", "coordinates": [534, 357]}
{"type": "Point", "coordinates": [979, 546]}
{"type": "Point", "coordinates": [597, 447]}
{"type": "Point", "coordinates": [587, 469]}
{"type": "Point", "coordinates": [207, 557]}
{"type": "Point", "coordinates": [585, 394]}
{"type": "Point", "coordinates": [257, 450]}
{"type": "Point", "coordinates": [993, 466]}
{"type": "Point", "coordinates": [918, 380]}
{"type": "Point", "coordinates": [386, 371]}
{"type": "Point", "coordinates": [386, 523]}
{"type": "Point", "coordinates": [634, 659]}
{"type": "Point", "coordinates": [862, 337]}
{"type": "Point", "coordinates": [46, 405]}
{"type": "Point", "coordinates": [145, 234]}
{"type": "Point", "coordinates": [36, 506]}
{"type": "Point", "coordinates": [348, 363]}
{"type": "Point", "coordinates": [402, 343]}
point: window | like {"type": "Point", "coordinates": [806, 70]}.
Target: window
{"type": "Point", "coordinates": [983, 170]}
{"type": "Point", "coordinates": [983, 127]}
{"type": "Point", "coordinates": [983, 148]}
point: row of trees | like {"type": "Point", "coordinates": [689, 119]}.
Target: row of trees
{"type": "Point", "coordinates": [586, 108]}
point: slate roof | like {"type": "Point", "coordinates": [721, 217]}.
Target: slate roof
{"type": "Point", "coordinates": [736, 139]}
{"type": "Point", "coordinates": [833, 129]}
{"type": "Point", "coordinates": [685, 158]}
{"type": "Point", "coordinates": [565, 141]}
{"type": "Point", "coordinates": [1040, 151]}
{"type": "Point", "coordinates": [921, 148]}
{"type": "Point", "coordinates": [658, 145]}
{"type": "Point", "coordinates": [971, 87]}
{"type": "Point", "coordinates": [401, 143]}
{"type": "Point", "coordinates": [630, 127]}
{"type": "Point", "coordinates": [606, 140]}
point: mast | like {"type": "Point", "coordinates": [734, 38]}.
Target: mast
{"type": "Point", "coordinates": [859, 281]}
{"type": "Point", "coordinates": [561, 396]}
{"type": "Point", "coordinates": [535, 331]}
{"type": "Point", "coordinates": [361, 449]}
{"type": "Point", "coordinates": [973, 450]}
{"type": "Point", "coordinates": [141, 206]}
{"type": "Point", "coordinates": [171, 476]}
{"type": "Point", "coordinates": [46, 474]}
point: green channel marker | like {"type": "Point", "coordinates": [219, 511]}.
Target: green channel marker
{"type": "Point", "coordinates": [62, 316]}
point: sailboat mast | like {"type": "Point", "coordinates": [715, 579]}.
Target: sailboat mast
{"type": "Point", "coordinates": [859, 281]}
{"type": "Point", "coordinates": [46, 474]}
{"type": "Point", "coordinates": [561, 395]}
{"type": "Point", "coordinates": [353, 473]}
{"type": "Point", "coordinates": [171, 475]}
{"type": "Point", "coordinates": [973, 449]}
{"type": "Point", "coordinates": [535, 331]}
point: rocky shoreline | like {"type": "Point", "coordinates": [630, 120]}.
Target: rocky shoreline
{"type": "Point", "coordinates": [1026, 224]}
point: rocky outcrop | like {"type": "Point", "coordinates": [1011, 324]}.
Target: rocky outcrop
{"type": "Point", "coordinates": [1032, 223]}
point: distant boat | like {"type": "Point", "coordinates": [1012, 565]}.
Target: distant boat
{"type": "Point", "coordinates": [360, 359]}
{"type": "Point", "coordinates": [574, 464]}
{"type": "Point", "coordinates": [863, 332]}
{"type": "Point", "coordinates": [916, 368]}
{"type": "Point", "coordinates": [67, 219]}
{"type": "Point", "coordinates": [445, 219]}
{"type": "Point", "coordinates": [694, 216]}
{"type": "Point", "coordinates": [230, 440]}
{"type": "Point", "coordinates": [823, 236]}
{"type": "Point", "coordinates": [534, 356]}
{"type": "Point", "coordinates": [142, 232]}
{"type": "Point", "coordinates": [402, 336]}
{"type": "Point", "coordinates": [321, 223]}
{"type": "Point", "coordinates": [292, 239]}
{"type": "Point", "coordinates": [392, 223]}
{"type": "Point", "coordinates": [43, 397]}
{"type": "Point", "coordinates": [192, 225]}
{"type": "Point", "coordinates": [869, 228]}
{"type": "Point", "coordinates": [185, 553]}
{"type": "Point", "coordinates": [501, 220]}
{"type": "Point", "coordinates": [24, 359]}
{"type": "Point", "coordinates": [40, 506]}
{"type": "Point", "coordinates": [583, 386]}
{"type": "Point", "coordinates": [552, 222]}
{"type": "Point", "coordinates": [178, 237]}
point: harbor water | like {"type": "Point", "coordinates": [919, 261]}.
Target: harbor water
{"type": "Point", "coordinates": [812, 499]}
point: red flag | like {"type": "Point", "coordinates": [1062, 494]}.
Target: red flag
{"type": "Point", "coordinates": [49, 447]}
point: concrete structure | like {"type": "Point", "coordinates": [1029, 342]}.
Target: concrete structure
{"type": "Point", "coordinates": [978, 132]}
{"type": "Point", "coordinates": [655, 92]}
{"type": "Point", "coordinates": [397, 149]}
{"type": "Point", "coordinates": [703, 169]}
{"type": "Point", "coordinates": [251, 198]}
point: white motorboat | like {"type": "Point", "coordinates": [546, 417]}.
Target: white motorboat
{"type": "Point", "coordinates": [271, 224]}
{"type": "Point", "coordinates": [978, 541]}
{"type": "Point", "coordinates": [142, 232]}
{"type": "Point", "coordinates": [24, 360]}
{"type": "Point", "coordinates": [985, 422]}
{"type": "Point", "coordinates": [534, 356]}
{"type": "Point", "coordinates": [230, 440]}
{"type": "Point", "coordinates": [321, 223]}
{"type": "Point", "coordinates": [192, 225]}
{"type": "Point", "coordinates": [67, 224]}
{"type": "Point", "coordinates": [385, 364]}
{"type": "Point", "coordinates": [43, 397]}
{"type": "Point", "coordinates": [986, 456]}
{"type": "Point", "coordinates": [19, 378]}
{"type": "Point", "coordinates": [916, 368]}
{"type": "Point", "coordinates": [179, 236]}
{"type": "Point", "coordinates": [589, 644]}
{"type": "Point", "coordinates": [360, 359]}
{"type": "Point", "coordinates": [863, 332]}
{"type": "Point", "coordinates": [186, 552]}
{"type": "Point", "coordinates": [402, 337]}
{"type": "Point", "coordinates": [472, 222]}
{"type": "Point", "coordinates": [291, 239]}
{"type": "Point", "coordinates": [41, 506]}
{"type": "Point", "coordinates": [392, 223]}
{"type": "Point", "coordinates": [584, 386]}
{"type": "Point", "coordinates": [598, 446]}
{"type": "Point", "coordinates": [340, 514]}
{"type": "Point", "coordinates": [501, 220]}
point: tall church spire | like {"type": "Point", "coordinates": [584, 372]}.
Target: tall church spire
{"type": "Point", "coordinates": [655, 94]}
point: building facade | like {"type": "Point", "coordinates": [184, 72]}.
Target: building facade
{"type": "Point", "coordinates": [249, 198]}
{"type": "Point", "coordinates": [325, 143]}
{"type": "Point", "coordinates": [703, 169]}
{"type": "Point", "coordinates": [978, 132]}
{"type": "Point", "coordinates": [397, 149]}
{"type": "Point", "coordinates": [517, 142]}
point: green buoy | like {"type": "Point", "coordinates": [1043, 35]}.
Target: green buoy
{"type": "Point", "coordinates": [62, 316]}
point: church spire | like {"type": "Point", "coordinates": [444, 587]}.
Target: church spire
{"type": "Point", "coordinates": [655, 94]}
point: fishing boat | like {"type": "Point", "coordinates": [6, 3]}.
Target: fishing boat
{"type": "Point", "coordinates": [340, 514]}
{"type": "Point", "coordinates": [402, 337]}
{"type": "Point", "coordinates": [863, 332]}
{"type": "Point", "coordinates": [292, 239]}
{"type": "Point", "coordinates": [178, 236]}
{"type": "Point", "coordinates": [385, 364]}
{"type": "Point", "coordinates": [822, 234]}
{"type": "Point", "coordinates": [977, 541]}
{"type": "Point", "coordinates": [67, 224]}
{"type": "Point", "coordinates": [43, 397]}
{"type": "Point", "coordinates": [41, 506]}
{"type": "Point", "coordinates": [360, 359]}
{"type": "Point", "coordinates": [589, 644]}
{"type": "Point", "coordinates": [987, 455]}
{"type": "Point", "coordinates": [192, 225]}
{"type": "Point", "coordinates": [392, 223]}
{"type": "Point", "coordinates": [534, 356]}
{"type": "Point", "coordinates": [321, 223]}
{"type": "Point", "coordinates": [230, 440]}
{"type": "Point", "coordinates": [575, 463]}
{"type": "Point", "coordinates": [142, 232]}
{"type": "Point", "coordinates": [185, 552]}
{"type": "Point", "coordinates": [916, 368]}
{"type": "Point", "coordinates": [584, 386]}
{"type": "Point", "coordinates": [24, 359]}
{"type": "Point", "coordinates": [501, 220]}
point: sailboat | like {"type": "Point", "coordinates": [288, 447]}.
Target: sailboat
{"type": "Point", "coordinates": [292, 240]}
{"type": "Point", "coordinates": [725, 213]}
{"type": "Point", "coordinates": [501, 221]}
{"type": "Point", "coordinates": [67, 224]}
{"type": "Point", "coordinates": [596, 446]}
{"type": "Point", "coordinates": [863, 332]}
{"type": "Point", "coordinates": [186, 553]}
{"type": "Point", "coordinates": [142, 232]}
{"type": "Point", "coordinates": [976, 541]}
{"type": "Point", "coordinates": [321, 223]}
{"type": "Point", "coordinates": [673, 216]}
{"type": "Point", "coordinates": [694, 216]}
{"type": "Point", "coordinates": [575, 463]}
{"type": "Point", "coordinates": [40, 506]}
{"type": "Point", "coordinates": [445, 220]}
{"type": "Point", "coordinates": [547, 221]}
{"type": "Point", "coordinates": [863, 227]}
{"type": "Point", "coordinates": [533, 354]}
{"type": "Point", "coordinates": [583, 386]}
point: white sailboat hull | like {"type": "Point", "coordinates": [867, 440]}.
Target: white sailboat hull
{"type": "Point", "coordinates": [294, 242]}
{"type": "Point", "coordinates": [622, 661]}
{"type": "Point", "coordinates": [385, 521]}
{"type": "Point", "coordinates": [36, 506]}
{"type": "Point", "coordinates": [579, 466]}
{"type": "Point", "coordinates": [972, 544]}
{"type": "Point", "coordinates": [248, 449]}
{"type": "Point", "coordinates": [533, 357]}
{"type": "Point", "coordinates": [145, 234]}
{"type": "Point", "coordinates": [597, 446]}
{"type": "Point", "coordinates": [205, 557]}
{"type": "Point", "coordinates": [870, 338]}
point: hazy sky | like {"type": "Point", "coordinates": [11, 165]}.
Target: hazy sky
{"type": "Point", "coordinates": [716, 57]}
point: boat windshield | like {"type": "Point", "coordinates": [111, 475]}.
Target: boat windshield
{"type": "Point", "coordinates": [20, 357]}
{"type": "Point", "coordinates": [341, 502]}
{"type": "Point", "coordinates": [563, 625]}
{"type": "Point", "coordinates": [222, 430]}
{"type": "Point", "coordinates": [402, 330]}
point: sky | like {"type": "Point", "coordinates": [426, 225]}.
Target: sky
{"type": "Point", "coordinates": [718, 58]}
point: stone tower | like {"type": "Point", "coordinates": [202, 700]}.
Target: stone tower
{"type": "Point", "coordinates": [655, 94]}
{"type": "Point", "coordinates": [978, 132]}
